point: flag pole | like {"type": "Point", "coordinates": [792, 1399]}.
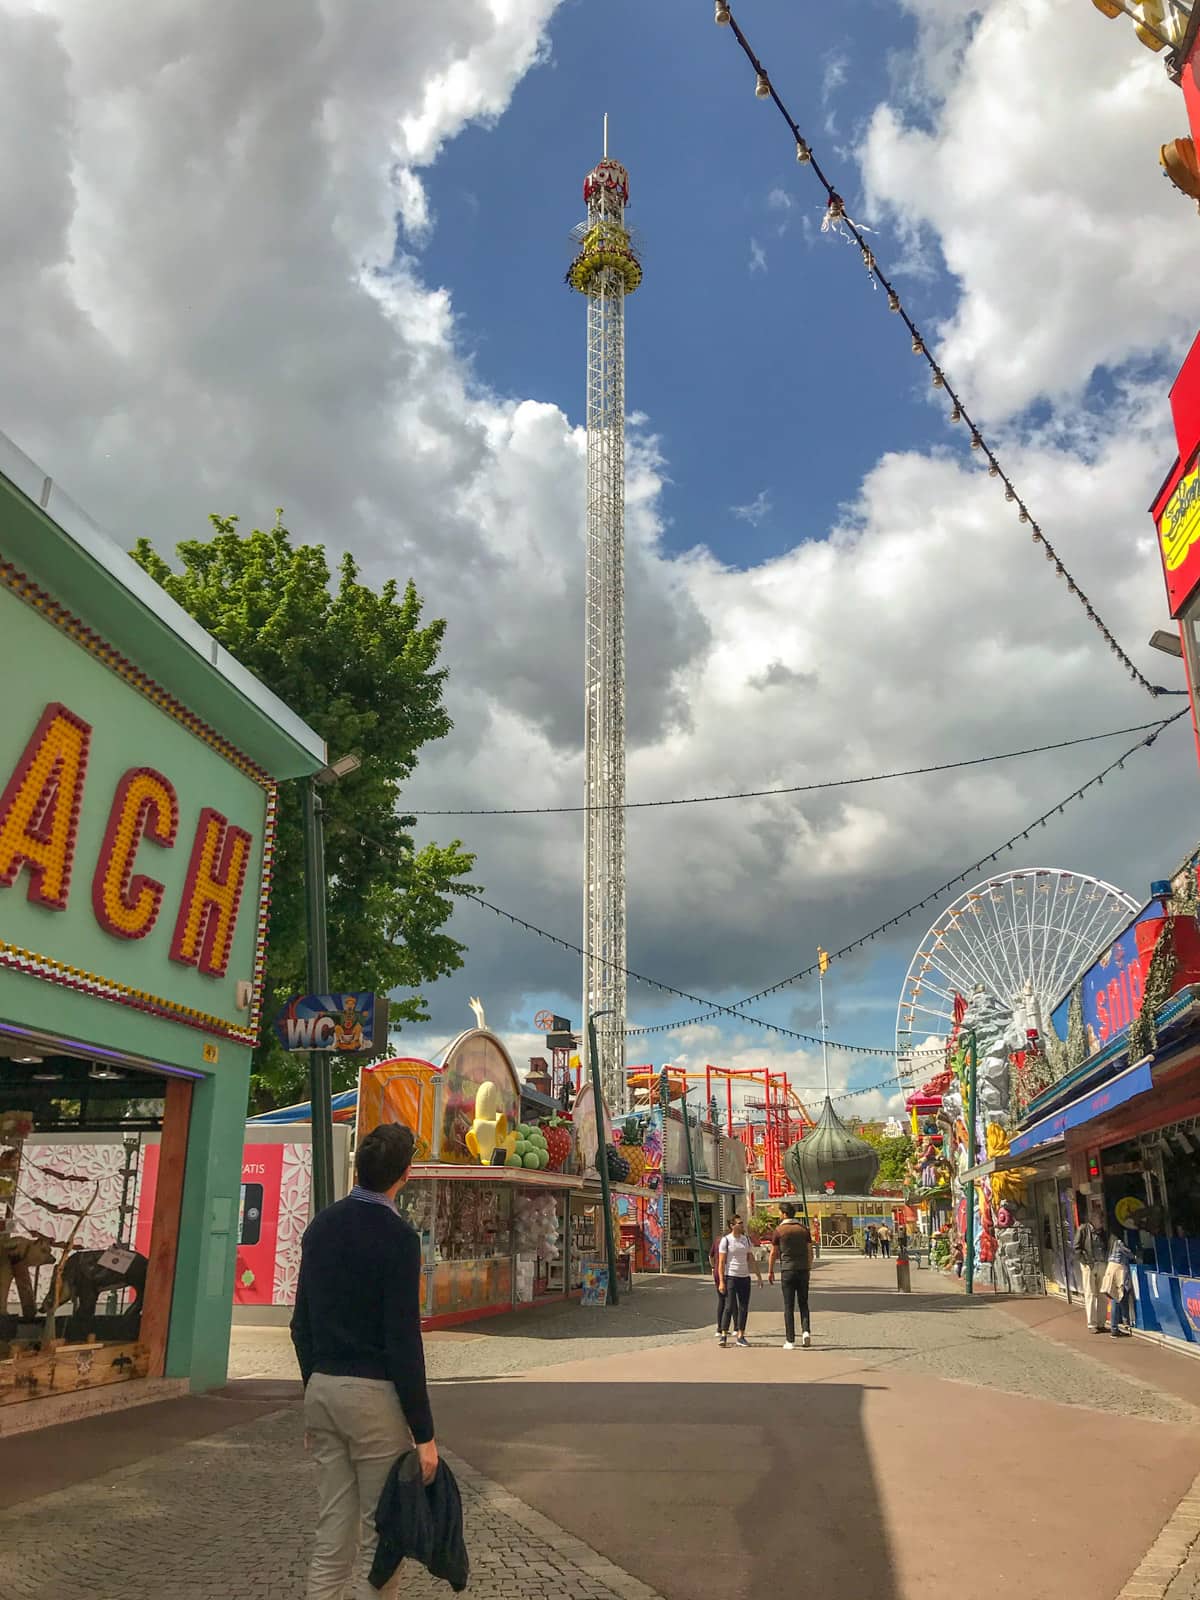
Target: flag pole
{"type": "Point", "coordinates": [822, 959]}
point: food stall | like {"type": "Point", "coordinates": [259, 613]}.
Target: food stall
{"type": "Point", "coordinates": [488, 1194]}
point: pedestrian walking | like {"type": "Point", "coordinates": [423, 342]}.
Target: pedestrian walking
{"type": "Point", "coordinates": [1117, 1284]}
{"type": "Point", "coordinates": [902, 1240]}
{"type": "Point", "coordinates": [884, 1236]}
{"type": "Point", "coordinates": [959, 1258]}
{"type": "Point", "coordinates": [357, 1332]}
{"type": "Point", "coordinates": [735, 1259]}
{"type": "Point", "coordinates": [713, 1251]}
{"type": "Point", "coordinates": [1091, 1253]}
{"type": "Point", "coordinates": [792, 1248]}
{"type": "Point", "coordinates": [869, 1242]}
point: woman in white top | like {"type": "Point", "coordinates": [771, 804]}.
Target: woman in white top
{"type": "Point", "coordinates": [735, 1259]}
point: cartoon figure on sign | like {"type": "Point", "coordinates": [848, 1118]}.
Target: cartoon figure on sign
{"type": "Point", "coordinates": [490, 1128]}
{"type": "Point", "coordinates": [348, 1033]}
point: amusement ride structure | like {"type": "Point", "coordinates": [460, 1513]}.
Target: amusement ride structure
{"type": "Point", "coordinates": [1022, 937]}
{"type": "Point", "coordinates": [605, 269]}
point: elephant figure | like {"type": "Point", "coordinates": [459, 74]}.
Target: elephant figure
{"type": "Point", "coordinates": [83, 1280]}
{"type": "Point", "coordinates": [18, 1258]}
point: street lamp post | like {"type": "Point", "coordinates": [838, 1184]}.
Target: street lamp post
{"type": "Point", "coordinates": [969, 1244]}
{"type": "Point", "coordinates": [610, 1243]}
{"type": "Point", "coordinates": [320, 1087]}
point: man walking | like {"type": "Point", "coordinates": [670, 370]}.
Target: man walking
{"type": "Point", "coordinates": [1091, 1252]}
{"type": "Point", "coordinates": [792, 1248]}
{"type": "Point", "coordinates": [885, 1239]}
{"type": "Point", "coordinates": [357, 1333]}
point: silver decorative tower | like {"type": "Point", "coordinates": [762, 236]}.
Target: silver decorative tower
{"type": "Point", "coordinates": [605, 270]}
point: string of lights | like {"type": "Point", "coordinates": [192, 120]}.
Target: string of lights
{"type": "Point", "coordinates": [835, 217]}
{"type": "Point", "coordinates": [933, 894]}
{"type": "Point", "coordinates": [715, 1009]}
{"type": "Point", "coordinates": [797, 788]}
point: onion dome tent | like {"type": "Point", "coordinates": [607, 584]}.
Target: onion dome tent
{"type": "Point", "coordinates": [830, 1153]}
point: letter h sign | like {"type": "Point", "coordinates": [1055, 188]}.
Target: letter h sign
{"type": "Point", "coordinates": [208, 914]}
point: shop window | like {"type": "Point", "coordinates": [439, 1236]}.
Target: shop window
{"type": "Point", "coordinates": [79, 1148]}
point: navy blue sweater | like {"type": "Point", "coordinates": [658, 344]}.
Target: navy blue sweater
{"type": "Point", "coordinates": [358, 1303]}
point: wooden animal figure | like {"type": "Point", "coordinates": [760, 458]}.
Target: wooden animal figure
{"type": "Point", "coordinates": [83, 1280]}
{"type": "Point", "coordinates": [18, 1258]}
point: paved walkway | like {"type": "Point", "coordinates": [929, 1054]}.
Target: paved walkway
{"type": "Point", "coordinates": [925, 1448]}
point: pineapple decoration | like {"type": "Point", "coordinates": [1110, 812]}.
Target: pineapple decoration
{"type": "Point", "coordinates": [633, 1149]}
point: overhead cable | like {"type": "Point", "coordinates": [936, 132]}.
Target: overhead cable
{"type": "Point", "coordinates": [933, 894]}
{"type": "Point", "coordinates": [796, 788]}
{"type": "Point", "coordinates": [836, 219]}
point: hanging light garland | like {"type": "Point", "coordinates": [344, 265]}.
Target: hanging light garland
{"type": "Point", "coordinates": [836, 219]}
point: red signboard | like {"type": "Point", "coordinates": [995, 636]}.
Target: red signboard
{"type": "Point", "coordinates": [1177, 517]}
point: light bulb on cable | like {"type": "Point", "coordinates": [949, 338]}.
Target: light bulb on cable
{"type": "Point", "coordinates": [803, 153]}
{"type": "Point", "coordinates": [918, 347]}
{"type": "Point", "coordinates": [938, 381]}
{"type": "Point", "coordinates": [722, 14]}
{"type": "Point", "coordinates": [762, 86]}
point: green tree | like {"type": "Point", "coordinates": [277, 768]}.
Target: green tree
{"type": "Point", "coordinates": [894, 1154]}
{"type": "Point", "coordinates": [361, 668]}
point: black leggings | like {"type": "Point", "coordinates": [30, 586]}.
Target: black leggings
{"type": "Point", "coordinates": [736, 1306]}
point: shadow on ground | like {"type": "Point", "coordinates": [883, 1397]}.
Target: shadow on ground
{"type": "Point", "coordinates": [704, 1491]}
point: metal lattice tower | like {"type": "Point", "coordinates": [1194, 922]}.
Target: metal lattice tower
{"type": "Point", "coordinates": [605, 270]}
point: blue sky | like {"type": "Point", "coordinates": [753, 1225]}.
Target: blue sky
{"type": "Point", "coordinates": [420, 409]}
{"type": "Point", "coordinates": [785, 381]}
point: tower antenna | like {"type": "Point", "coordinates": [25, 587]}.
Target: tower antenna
{"type": "Point", "coordinates": [605, 271]}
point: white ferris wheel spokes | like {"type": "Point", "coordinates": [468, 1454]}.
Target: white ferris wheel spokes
{"type": "Point", "coordinates": [1024, 935]}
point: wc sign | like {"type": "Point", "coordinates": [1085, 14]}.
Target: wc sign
{"type": "Point", "coordinates": [354, 1024]}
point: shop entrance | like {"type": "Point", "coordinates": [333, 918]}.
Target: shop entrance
{"type": "Point", "coordinates": [1055, 1231]}
{"type": "Point", "coordinates": [92, 1151]}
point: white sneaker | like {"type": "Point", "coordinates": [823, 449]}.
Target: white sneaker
{"type": "Point", "coordinates": [806, 1339]}
{"type": "Point", "coordinates": [788, 1345]}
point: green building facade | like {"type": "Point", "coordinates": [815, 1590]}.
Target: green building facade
{"type": "Point", "coordinates": [139, 766]}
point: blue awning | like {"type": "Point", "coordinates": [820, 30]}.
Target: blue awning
{"type": "Point", "coordinates": [346, 1101]}
{"type": "Point", "coordinates": [1133, 1081]}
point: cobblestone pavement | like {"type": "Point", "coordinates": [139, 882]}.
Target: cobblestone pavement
{"type": "Point", "coordinates": [232, 1515]}
{"type": "Point", "coordinates": [935, 1330]}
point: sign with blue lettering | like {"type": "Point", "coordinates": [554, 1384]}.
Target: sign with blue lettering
{"type": "Point", "coordinates": [353, 1024]}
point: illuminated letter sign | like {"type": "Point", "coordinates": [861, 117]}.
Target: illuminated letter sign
{"type": "Point", "coordinates": [211, 895]}
{"type": "Point", "coordinates": [1178, 532]}
{"type": "Point", "coordinates": [144, 807]}
{"type": "Point", "coordinates": [39, 810]}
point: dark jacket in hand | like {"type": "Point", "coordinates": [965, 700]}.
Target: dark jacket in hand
{"type": "Point", "coordinates": [419, 1523]}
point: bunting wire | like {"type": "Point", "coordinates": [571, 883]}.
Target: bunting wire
{"type": "Point", "coordinates": [836, 218]}
{"type": "Point", "coordinates": [801, 788]}
{"type": "Point", "coordinates": [716, 1010]}
{"type": "Point", "coordinates": [933, 894]}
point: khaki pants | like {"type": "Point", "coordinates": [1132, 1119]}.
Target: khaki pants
{"type": "Point", "coordinates": [358, 1430]}
{"type": "Point", "coordinates": [1094, 1307]}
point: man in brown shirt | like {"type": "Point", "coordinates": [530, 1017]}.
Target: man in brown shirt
{"type": "Point", "coordinates": [792, 1248]}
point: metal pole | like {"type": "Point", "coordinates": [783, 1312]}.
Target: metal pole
{"type": "Point", "coordinates": [320, 1088]}
{"type": "Point", "coordinates": [824, 1041]}
{"type": "Point", "coordinates": [687, 1139]}
{"type": "Point", "coordinates": [969, 1244]}
{"type": "Point", "coordinates": [610, 1243]}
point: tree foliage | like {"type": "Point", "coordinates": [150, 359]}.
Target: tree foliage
{"type": "Point", "coordinates": [895, 1154]}
{"type": "Point", "coordinates": [361, 668]}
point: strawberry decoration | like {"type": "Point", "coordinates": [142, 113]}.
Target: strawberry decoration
{"type": "Point", "coordinates": [559, 1142]}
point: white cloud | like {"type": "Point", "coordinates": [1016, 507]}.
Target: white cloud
{"type": "Point", "coordinates": [200, 310]}
{"type": "Point", "coordinates": [1070, 251]}
{"type": "Point", "coordinates": [779, 200]}
{"type": "Point", "coordinates": [755, 510]}
{"type": "Point", "coordinates": [758, 257]}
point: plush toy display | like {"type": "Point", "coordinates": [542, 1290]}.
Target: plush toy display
{"type": "Point", "coordinates": [536, 1226]}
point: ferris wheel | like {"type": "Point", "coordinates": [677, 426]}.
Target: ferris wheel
{"type": "Point", "coordinates": [1025, 936]}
